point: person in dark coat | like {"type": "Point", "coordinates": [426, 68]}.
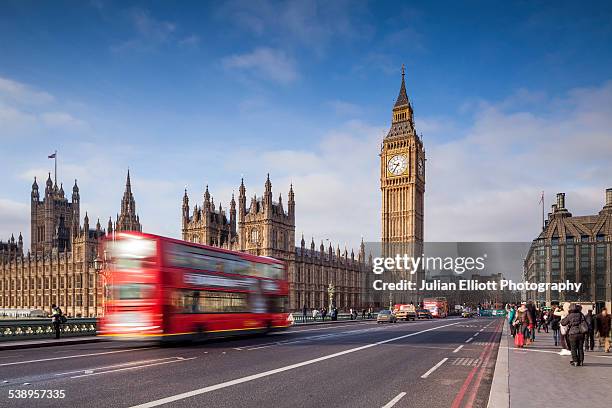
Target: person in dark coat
{"type": "Point", "coordinates": [589, 340]}
{"type": "Point", "coordinates": [56, 319]}
{"type": "Point", "coordinates": [576, 338]}
{"type": "Point", "coordinates": [555, 325]}
{"type": "Point", "coordinates": [603, 329]}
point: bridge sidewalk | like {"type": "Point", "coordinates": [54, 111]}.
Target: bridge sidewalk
{"type": "Point", "coordinates": [537, 376]}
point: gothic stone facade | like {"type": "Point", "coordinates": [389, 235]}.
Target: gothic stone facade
{"type": "Point", "coordinates": [265, 228]}
{"type": "Point", "coordinates": [402, 184]}
{"type": "Point", "coordinates": [60, 266]}
{"type": "Point", "coordinates": [574, 248]}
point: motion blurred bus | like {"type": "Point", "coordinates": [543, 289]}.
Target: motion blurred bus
{"type": "Point", "coordinates": [437, 306]}
{"type": "Point", "coordinates": [165, 289]}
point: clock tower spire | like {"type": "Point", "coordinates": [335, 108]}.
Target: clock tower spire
{"type": "Point", "coordinates": [402, 183]}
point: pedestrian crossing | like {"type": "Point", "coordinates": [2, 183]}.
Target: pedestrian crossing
{"type": "Point", "coordinates": [466, 362]}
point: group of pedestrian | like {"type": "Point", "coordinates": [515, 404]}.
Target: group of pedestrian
{"type": "Point", "coordinates": [573, 330]}
{"type": "Point", "coordinates": [323, 313]}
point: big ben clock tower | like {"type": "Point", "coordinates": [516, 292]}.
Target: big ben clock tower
{"type": "Point", "coordinates": [402, 182]}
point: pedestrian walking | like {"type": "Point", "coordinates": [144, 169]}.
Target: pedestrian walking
{"type": "Point", "coordinates": [521, 322]}
{"type": "Point", "coordinates": [57, 318]}
{"type": "Point", "coordinates": [511, 315]}
{"type": "Point", "coordinates": [315, 314]}
{"type": "Point", "coordinates": [304, 312]}
{"type": "Point", "coordinates": [576, 329]}
{"type": "Point", "coordinates": [556, 326]}
{"type": "Point", "coordinates": [589, 340]}
{"type": "Point", "coordinates": [546, 319]}
{"type": "Point", "coordinates": [351, 312]}
{"type": "Point", "coordinates": [564, 337]}
{"type": "Point", "coordinates": [363, 312]}
{"type": "Point", "coordinates": [603, 324]}
{"type": "Point", "coordinates": [531, 314]}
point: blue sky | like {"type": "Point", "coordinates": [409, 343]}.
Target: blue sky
{"type": "Point", "coordinates": [207, 92]}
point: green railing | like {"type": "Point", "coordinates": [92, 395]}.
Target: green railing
{"type": "Point", "coordinates": [28, 329]}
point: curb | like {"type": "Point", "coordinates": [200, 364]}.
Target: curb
{"type": "Point", "coordinates": [331, 322]}
{"type": "Point", "coordinates": [499, 397]}
{"type": "Point", "coordinates": [50, 343]}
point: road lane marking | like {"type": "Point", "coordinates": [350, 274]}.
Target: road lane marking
{"type": "Point", "coordinates": [481, 329]}
{"type": "Point", "coordinates": [434, 368]}
{"type": "Point", "coordinates": [133, 368]}
{"type": "Point", "coordinates": [458, 348]}
{"type": "Point", "coordinates": [75, 356]}
{"type": "Point", "coordinates": [476, 334]}
{"type": "Point", "coordinates": [252, 377]}
{"type": "Point", "coordinates": [129, 363]}
{"type": "Point", "coordinates": [394, 400]}
{"type": "Point", "coordinates": [470, 339]}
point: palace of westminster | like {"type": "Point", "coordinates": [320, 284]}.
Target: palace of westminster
{"type": "Point", "coordinates": [60, 267]}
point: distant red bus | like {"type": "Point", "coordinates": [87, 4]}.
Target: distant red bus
{"type": "Point", "coordinates": [437, 306]}
{"type": "Point", "coordinates": [165, 289]}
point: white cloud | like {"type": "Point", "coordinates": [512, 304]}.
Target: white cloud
{"type": "Point", "coordinates": [13, 91]}
{"type": "Point", "coordinates": [27, 112]}
{"type": "Point", "coordinates": [14, 218]}
{"type": "Point", "coordinates": [313, 24]}
{"type": "Point", "coordinates": [345, 108]}
{"type": "Point", "coordinates": [151, 33]}
{"type": "Point", "coordinates": [264, 62]}
{"type": "Point", "coordinates": [486, 185]}
{"type": "Point", "coordinates": [62, 120]}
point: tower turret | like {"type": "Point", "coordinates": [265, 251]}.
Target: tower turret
{"type": "Point", "coordinates": [233, 215]}
{"type": "Point", "coordinates": [35, 194]}
{"type": "Point", "coordinates": [291, 204]}
{"type": "Point", "coordinates": [49, 185]}
{"type": "Point", "coordinates": [185, 209]}
{"type": "Point", "coordinates": [267, 198]}
{"type": "Point", "coordinates": [128, 220]}
{"type": "Point", "coordinates": [241, 201]}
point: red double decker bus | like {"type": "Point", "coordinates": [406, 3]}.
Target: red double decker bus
{"type": "Point", "coordinates": [165, 289]}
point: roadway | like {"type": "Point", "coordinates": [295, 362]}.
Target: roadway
{"type": "Point", "coordinates": [437, 363]}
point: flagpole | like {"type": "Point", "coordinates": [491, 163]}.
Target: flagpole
{"type": "Point", "coordinates": [55, 160]}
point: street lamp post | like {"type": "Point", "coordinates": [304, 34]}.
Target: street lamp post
{"type": "Point", "coordinates": [100, 268]}
{"type": "Point", "coordinates": [330, 292]}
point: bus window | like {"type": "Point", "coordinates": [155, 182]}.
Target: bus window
{"type": "Point", "coordinates": [210, 301]}
{"type": "Point", "coordinates": [277, 304]}
{"type": "Point", "coordinates": [134, 291]}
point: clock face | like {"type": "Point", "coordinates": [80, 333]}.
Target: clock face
{"type": "Point", "coordinates": [397, 165]}
{"type": "Point", "coordinates": [421, 168]}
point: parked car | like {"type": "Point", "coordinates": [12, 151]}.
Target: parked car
{"type": "Point", "coordinates": [467, 313]}
{"type": "Point", "coordinates": [385, 316]}
{"type": "Point", "coordinates": [423, 314]}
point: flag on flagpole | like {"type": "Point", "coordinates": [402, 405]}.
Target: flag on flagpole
{"type": "Point", "coordinates": [52, 156]}
{"type": "Point", "coordinates": [541, 198]}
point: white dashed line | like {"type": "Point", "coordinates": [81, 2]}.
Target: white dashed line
{"type": "Point", "coordinates": [470, 339]}
{"type": "Point", "coordinates": [458, 348]}
{"type": "Point", "coordinates": [434, 368]}
{"type": "Point", "coordinates": [394, 400]}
